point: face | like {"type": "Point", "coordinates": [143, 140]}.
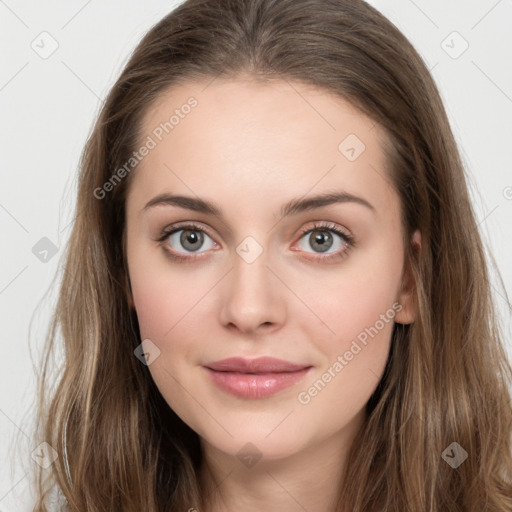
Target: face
{"type": "Point", "coordinates": [250, 265]}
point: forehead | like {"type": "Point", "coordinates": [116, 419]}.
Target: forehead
{"type": "Point", "coordinates": [259, 138]}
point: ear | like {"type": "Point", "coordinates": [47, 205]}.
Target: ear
{"type": "Point", "coordinates": [407, 295]}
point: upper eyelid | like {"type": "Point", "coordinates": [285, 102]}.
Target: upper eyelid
{"type": "Point", "coordinates": [167, 231]}
{"type": "Point", "coordinates": [317, 225]}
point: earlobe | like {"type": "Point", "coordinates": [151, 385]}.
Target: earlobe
{"type": "Point", "coordinates": [407, 296]}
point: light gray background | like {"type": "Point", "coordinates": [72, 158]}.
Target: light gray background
{"type": "Point", "coordinates": [48, 106]}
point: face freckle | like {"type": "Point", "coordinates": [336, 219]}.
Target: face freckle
{"type": "Point", "coordinates": [243, 282]}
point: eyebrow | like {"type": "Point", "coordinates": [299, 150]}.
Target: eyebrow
{"type": "Point", "coordinates": [293, 207]}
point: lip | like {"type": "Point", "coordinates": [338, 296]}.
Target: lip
{"type": "Point", "coordinates": [255, 378]}
{"type": "Point", "coordinates": [259, 365]}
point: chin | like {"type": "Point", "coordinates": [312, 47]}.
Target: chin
{"type": "Point", "coordinates": [252, 444]}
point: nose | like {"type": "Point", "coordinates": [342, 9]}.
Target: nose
{"type": "Point", "coordinates": [252, 298]}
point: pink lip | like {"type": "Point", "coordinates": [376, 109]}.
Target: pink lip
{"type": "Point", "coordinates": [255, 378]}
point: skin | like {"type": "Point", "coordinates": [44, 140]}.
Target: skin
{"type": "Point", "coordinates": [250, 148]}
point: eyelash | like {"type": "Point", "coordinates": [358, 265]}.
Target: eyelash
{"type": "Point", "coordinates": [349, 240]}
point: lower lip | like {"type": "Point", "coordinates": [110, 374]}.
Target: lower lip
{"type": "Point", "coordinates": [247, 385]}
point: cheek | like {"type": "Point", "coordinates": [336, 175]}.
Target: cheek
{"type": "Point", "coordinates": [153, 303]}
{"type": "Point", "coordinates": [167, 308]}
{"type": "Point", "coordinates": [359, 309]}
{"type": "Point", "coordinates": [161, 296]}
{"type": "Point", "coordinates": [357, 306]}
{"type": "Point", "coordinates": [353, 298]}
{"type": "Point", "coordinates": [174, 310]}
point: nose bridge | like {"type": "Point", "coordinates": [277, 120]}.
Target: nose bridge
{"type": "Point", "coordinates": [250, 298]}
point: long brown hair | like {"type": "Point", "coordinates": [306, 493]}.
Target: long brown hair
{"type": "Point", "coordinates": [120, 446]}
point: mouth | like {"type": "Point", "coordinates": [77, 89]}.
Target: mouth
{"type": "Point", "coordinates": [255, 378]}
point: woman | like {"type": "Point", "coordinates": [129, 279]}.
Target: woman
{"type": "Point", "coordinates": [275, 295]}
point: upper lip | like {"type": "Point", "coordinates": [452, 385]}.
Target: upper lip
{"type": "Point", "coordinates": [258, 365]}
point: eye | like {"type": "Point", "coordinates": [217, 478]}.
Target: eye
{"type": "Point", "coordinates": [185, 240]}
{"type": "Point", "coordinates": [327, 240]}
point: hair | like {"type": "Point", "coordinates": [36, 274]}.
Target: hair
{"type": "Point", "coordinates": [447, 379]}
